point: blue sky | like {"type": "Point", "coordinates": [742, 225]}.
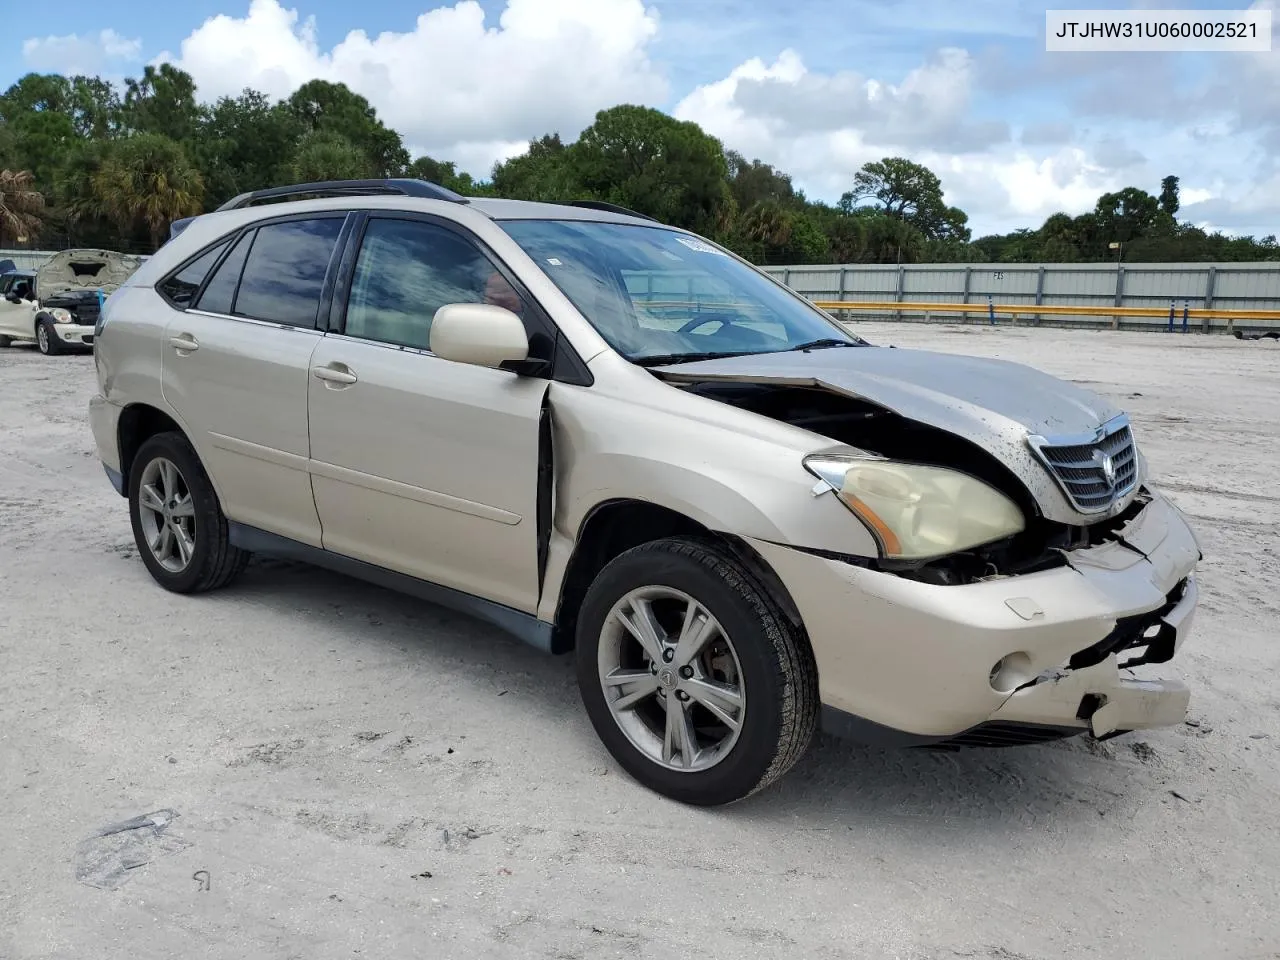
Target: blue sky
{"type": "Point", "coordinates": [817, 87]}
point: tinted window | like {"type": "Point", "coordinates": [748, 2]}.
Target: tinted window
{"type": "Point", "coordinates": [180, 289]}
{"type": "Point", "coordinates": [285, 271]}
{"type": "Point", "coordinates": [221, 288]}
{"type": "Point", "coordinates": [408, 270]}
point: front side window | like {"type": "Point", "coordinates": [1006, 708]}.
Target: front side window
{"type": "Point", "coordinates": [659, 296]}
{"type": "Point", "coordinates": [284, 274]}
{"type": "Point", "coordinates": [407, 270]}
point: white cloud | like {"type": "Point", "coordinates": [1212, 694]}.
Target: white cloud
{"type": "Point", "coordinates": [823, 128]}
{"type": "Point", "coordinates": [74, 54]}
{"type": "Point", "coordinates": [452, 85]}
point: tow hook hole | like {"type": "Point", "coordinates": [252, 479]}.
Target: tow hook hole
{"type": "Point", "coordinates": [1011, 672]}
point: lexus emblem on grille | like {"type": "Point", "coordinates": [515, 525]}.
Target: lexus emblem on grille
{"type": "Point", "coordinates": [1108, 466]}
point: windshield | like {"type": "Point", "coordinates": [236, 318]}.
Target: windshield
{"type": "Point", "coordinates": [658, 296]}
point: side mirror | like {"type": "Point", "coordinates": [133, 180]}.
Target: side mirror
{"type": "Point", "coordinates": [13, 298]}
{"type": "Point", "coordinates": [480, 334]}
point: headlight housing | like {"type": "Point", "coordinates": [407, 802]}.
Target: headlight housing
{"type": "Point", "coordinates": [917, 512]}
{"type": "Point", "coordinates": [61, 316]}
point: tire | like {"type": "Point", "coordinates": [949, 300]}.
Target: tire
{"type": "Point", "coordinates": [777, 678]}
{"type": "Point", "coordinates": [5, 341]}
{"type": "Point", "coordinates": [210, 562]}
{"type": "Point", "coordinates": [47, 341]}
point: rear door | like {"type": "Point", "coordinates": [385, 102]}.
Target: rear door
{"type": "Point", "coordinates": [237, 351]}
{"type": "Point", "coordinates": [422, 465]}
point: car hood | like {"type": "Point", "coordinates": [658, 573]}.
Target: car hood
{"type": "Point", "coordinates": [103, 270]}
{"type": "Point", "coordinates": [945, 390]}
{"type": "Point", "coordinates": [995, 404]}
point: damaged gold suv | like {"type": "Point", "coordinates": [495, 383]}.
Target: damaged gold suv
{"type": "Point", "coordinates": [615, 438]}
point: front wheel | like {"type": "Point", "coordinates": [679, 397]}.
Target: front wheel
{"type": "Point", "coordinates": [693, 678]}
{"type": "Point", "coordinates": [178, 524]}
{"type": "Point", "coordinates": [47, 339]}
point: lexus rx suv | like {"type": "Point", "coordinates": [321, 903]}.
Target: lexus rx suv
{"type": "Point", "coordinates": [618, 439]}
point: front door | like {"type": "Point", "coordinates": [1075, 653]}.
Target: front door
{"type": "Point", "coordinates": [235, 370]}
{"type": "Point", "coordinates": [421, 465]}
{"type": "Point", "coordinates": [17, 319]}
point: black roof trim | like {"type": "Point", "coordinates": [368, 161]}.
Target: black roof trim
{"type": "Point", "coordinates": [422, 189]}
{"type": "Point", "coordinates": [608, 207]}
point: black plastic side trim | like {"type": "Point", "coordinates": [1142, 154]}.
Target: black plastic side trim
{"type": "Point", "coordinates": [523, 626]}
{"type": "Point", "coordinates": [116, 478]}
{"type": "Point", "coordinates": [848, 726]}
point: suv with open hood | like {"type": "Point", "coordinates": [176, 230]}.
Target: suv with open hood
{"type": "Point", "coordinates": [62, 310]}
{"type": "Point", "coordinates": [616, 438]}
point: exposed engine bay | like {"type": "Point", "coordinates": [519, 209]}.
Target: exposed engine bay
{"type": "Point", "coordinates": [868, 426]}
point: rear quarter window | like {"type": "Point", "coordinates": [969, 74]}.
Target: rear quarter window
{"type": "Point", "coordinates": [180, 288]}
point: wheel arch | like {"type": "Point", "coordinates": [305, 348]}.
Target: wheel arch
{"type": "Point", "coordinates": [138, 423]}
{"type": "Point", "coordinates": [612, 527]}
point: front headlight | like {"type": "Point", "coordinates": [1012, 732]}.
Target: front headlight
{"type": "Point", "coordinates": [61, 316]}
{"type": "Point", "coordinates": [916, 512]}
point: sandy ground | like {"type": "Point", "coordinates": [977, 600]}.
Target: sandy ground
{"type": "Point", "coordinates": [360, 774]}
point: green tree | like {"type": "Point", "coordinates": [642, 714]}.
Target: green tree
{"type": "Point", "coordinates": [332, 108]}
{"type": "Point", "coordinates": [246, 143]}
{"type": "Point", "coordinates": [752, 182]}
{"type": "Point", "coordinates": [146, 180]}
{"type": "Point", "coordinates": [325, 155]}
{"type": "Point", "coordinates": [910, 192]}
{"type": "Point", "coordinates": [1169, 201]}
{"type": "Point", "coordinates": [21, 206]}
{"type": "Point", "coordinates": [95, 108]}
{"type": "Point", "coordinates": [646, 160]}
{"type": "Point", "coordinates": [442, 172]}
{"type": "Point", "coordinates": [162, 101]}
{"type": "Point", "coordinates": [1126, 214]}
{"type": "Point", "coordinates": [546, 172]}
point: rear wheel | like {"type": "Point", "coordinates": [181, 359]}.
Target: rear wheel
{"type": "Point", "coordinates": [692, 677]}
{"type": "Point", "coordinates": [5, 341]}
{"type": "Point", "coordinates": [180, 530]}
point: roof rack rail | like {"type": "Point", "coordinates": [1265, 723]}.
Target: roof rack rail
{"type": "Point", "coordinates": [404, 187]}
{"type": "Point", "coordinates": [609, 207]}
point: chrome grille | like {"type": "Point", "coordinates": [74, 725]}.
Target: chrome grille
{"type": "Point", "coordinates": [1093, 472]}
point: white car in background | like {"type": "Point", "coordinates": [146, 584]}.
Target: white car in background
{"type": "Point", "coordinates": [57, 306]}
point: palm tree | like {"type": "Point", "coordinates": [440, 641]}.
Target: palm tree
{"type": "Point", "coordinates": [148, 180]}
{"type": "Point", "coordinates": [20, 205]}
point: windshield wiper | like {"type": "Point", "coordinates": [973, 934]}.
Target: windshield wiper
{"type": "Point", "coordinates": [662, 359]}
{"type": "Point", "coordinates": [823, 343]}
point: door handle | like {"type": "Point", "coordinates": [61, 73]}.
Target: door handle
{"type": "Point", "coordinates": [185, 343]}
{"type": "Point", "coordinates": [334, 374]}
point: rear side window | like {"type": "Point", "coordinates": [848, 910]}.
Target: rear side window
{"type": "Point", "coordinates": [180, 289]}
{"type": "Point", "coordinates": [284, 274]}
{"type": "Point", "coordinates": [220, 291]}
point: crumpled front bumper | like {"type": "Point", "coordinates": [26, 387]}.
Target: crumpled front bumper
{"type": "Point", "coordinates": [902, 662]}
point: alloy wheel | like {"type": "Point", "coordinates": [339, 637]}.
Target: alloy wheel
{"type": "Point", "coordinates": [671, 679]}
{"type": "Point", "coordinates": [168, 515]}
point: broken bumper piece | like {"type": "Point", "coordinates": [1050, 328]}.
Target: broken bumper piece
{"type": "Point", "coordinates": [1004, 661]}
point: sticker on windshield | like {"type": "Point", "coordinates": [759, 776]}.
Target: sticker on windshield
{"type": "Point", "coordinates": [699, 246]}
{"type": "Point", "coordinates": [554, 261]}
